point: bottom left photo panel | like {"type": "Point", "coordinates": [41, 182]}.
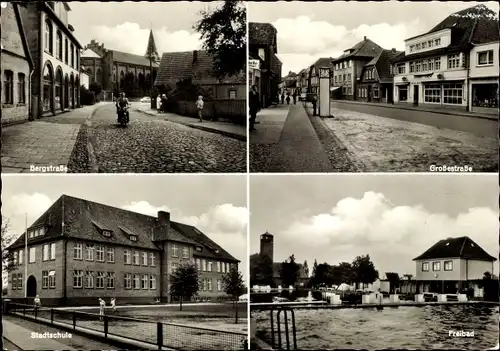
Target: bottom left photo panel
{"type": "Point", "coordinates": [124, 262]}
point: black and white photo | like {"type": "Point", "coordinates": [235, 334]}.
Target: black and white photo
{"type": "Point", "coordinates": [374, 87]}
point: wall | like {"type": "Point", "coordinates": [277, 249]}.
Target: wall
{"type": "Point", "coordinates": [474, 269]}
{"type": "Point", "coordinates": [455, 274]}
{"type": "Point", "coordinates": [235, 110]}
{"type": "Point", "coordinates": [222, 91]}
{"type": "Point", "coordinates": [444, 35]}
{"type": "Point", "coordinates": [84, 80]}
{"type": "Point", "coordinates": [491, 70]}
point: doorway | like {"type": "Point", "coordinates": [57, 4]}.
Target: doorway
{"type": "Point", "coordinates": [31, 286]}
{"type": "Point", "coordinates": [415, 95]}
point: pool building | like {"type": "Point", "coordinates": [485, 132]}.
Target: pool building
{"type": "Point", "coordinates": [79, 250]}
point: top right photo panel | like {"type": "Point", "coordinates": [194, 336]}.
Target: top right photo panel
{"type": "Point", "coordinates": [373, 87]}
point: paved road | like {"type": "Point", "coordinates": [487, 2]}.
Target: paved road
{"type": "Point", "coordinates": [479, 126]}
{"type": "Point", "coordinates": [153, 145]}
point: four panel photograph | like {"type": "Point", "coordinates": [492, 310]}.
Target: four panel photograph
{"type": "Point", "coordinates": [239, 175]}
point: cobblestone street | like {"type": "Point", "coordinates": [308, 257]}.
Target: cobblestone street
{"type": "Point", "coordinates": [150, 144]}
{"type": "Point", "coordinates": [389, 145]}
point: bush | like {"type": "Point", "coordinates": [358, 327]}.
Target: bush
{"type": "Point", "coordinates": [87, 97]}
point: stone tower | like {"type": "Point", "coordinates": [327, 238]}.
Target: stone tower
{"type": "Point", "coordinates": [267, 245]}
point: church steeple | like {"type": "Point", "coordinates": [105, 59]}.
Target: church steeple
{"type": "Point", "coordinates": [151, 51]}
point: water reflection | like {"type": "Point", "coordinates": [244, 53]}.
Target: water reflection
{"type": "Point", "coordinates": [394, 328]}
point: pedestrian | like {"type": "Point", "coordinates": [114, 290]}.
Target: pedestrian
{"type": "Point", "coordinates": [199, 107]}
{"type": "Point", "coordinates": [113, 304]}
{"type": "Point", "coordinates": [164, 101]}
{"type": "Point", "coordinates": [288, 99]}
{"type": "Point", "coordinates": [294, 97]}
{"type": "Point", "coordinates": [158, 103]}
{"type": "Point", "coordinates": [314, 102]}
{"type": "Point", "coordinates": [37, 302]}
{"type": "Point", "coordinates": [283, 98]}
{"type": "Point", "coordinates": [102, 305]}
{"type": "Point", "coordinates": [254, 105]}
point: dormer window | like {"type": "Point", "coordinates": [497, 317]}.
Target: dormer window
{"type": "Point", "coordinates": [199, 248]}
{"type": "Point", "coordinates": [133, 237]}
{"type": "Point", "coordinates": [216, 251]}
{"type": "Point", "coordinates": [106, 233]}
{"type": "Point", "coordinates": [33, 233]}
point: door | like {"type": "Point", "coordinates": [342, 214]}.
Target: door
{"type": "Point", "coordinates": [415, 95]}
{"type": "Point", "coordinates": [31, 286]}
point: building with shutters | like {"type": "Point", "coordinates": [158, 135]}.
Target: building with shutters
{"type": "Point", "coordinates": [79, 250]}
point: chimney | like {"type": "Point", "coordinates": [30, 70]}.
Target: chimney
{"type": "Point", "coordinates": [364, 38]}
{"type": "Point", "coordinates": [195, 56]}
{"type": "Point", "coordinates": [163, 218]}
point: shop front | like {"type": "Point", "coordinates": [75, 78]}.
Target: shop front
{"type": "Point", "coordinates": [484, 96]}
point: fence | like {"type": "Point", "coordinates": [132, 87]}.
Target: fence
{"type": "Point", "coordinates": [174, 336]}
{"type": "Point", "coordinates": [234, 110]}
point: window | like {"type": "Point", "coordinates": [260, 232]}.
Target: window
{"type": "Point", "coordinates": [32, 255]}
{"type": "Point", "coordinates": [21, 256]}
{"type": "Point", "coordinates": [209, 284]}
{"type": "Point", "coordinates": [77, 279]}
{"type": "Point", "coordinates": [198, 264]}
{"type": "Point", "coordinates": [219, 285]}
{"type": "Point", "coordinates": [111, 254]}
{"type": "Point", "coordinates": [210, 266]}
{"type": "Point", "coordinates": [453, 61]}
{"type": "Point", "coordinates": [204, 265]}
{"type": "Point", "coordinates": [144, 281]}
{"type": "Point", "coordinates": [262, 54]}
{"type": "Point", "coordinates": [437, 42]}
{"type": "Point", "coordinates": [430, 43]}
{"type": "Point", "coordinates": [437, 62]}
{"type": "Point", "coordinates": [232, 94]}
{"type": "Point", "coordinates": [48, 37]}
{"type": "Point", "coordinates": [403, 93]}
{"type": "Point", "coordinates": [418, 65]}
{"type": "Point", "coordinates": [72, 55]}
{"type": "Point", "coordinates": [436, 266]}
{"type": "Point", "coordinates": [21, 88]}
{"type": "Point", "coordinates": [430, 66]}
{"type": "Point", "coordinates": [412, 48]}
{"type": "Point", "coordinates": [228, 267]}
{"type": "Point", "coordinates": [223, 267]}
{"type": "Point", "coordinates": [175, 251]}
{"type": "Point", "coordinates": [173, 267]}
{"type": "Point", "coordinates": [218, 267]}
{"type": "Point", "coordinates": [100, 280]}
{"type": "Point", "coordinates": [127, 281]}
{"type": "Point", "coordinates": [452, 93]}
{"type": "Point", "coordinates": [136, 258]}
{"type": "Point", "coordinates": [448, 265]}
{"type": "Point", "coordinates": [89, 252]}
{"type": "Point", "coordinates": [185, 252]}
{"type": "Point", "coordinates": [485, 58]}
{"type": "Point", "coordinates": [425, 65]}
{"type": "Point", "coordinates": [144, 258]}
{"type": "Point", "coordinates": [418, 46]}
{"type": "Point", "coordinates": [106, 233]}
{"type": "Point", "coordinates": [59, 50]}
{"type": "Point", "coordinates": [52, 279]}
{"type": "Point", "coordinates": [424, 45]}
{"type": "Point", "coordinates": [111, 280]}
{"type": "Point", "coordinates": [46, 252]}
{"type": "Point", "coordinates": [349, 77]}
{"type": "Point", "coordinates": [425, 266]}
{"type": "Point", "coordinates": [152, 259]}
{"type": "Point", "coordinates": [45, 279]}
{"type": "Point", "coordinates": [432, 93]}
{"type": "Point", "coordinates": [77, 251]}
{"type": "Point", "coordinates": [99, 253]}
{"type": "Point", "coordinates": [412, 67]}
{"type": "Point", "coordinates": [66, 49]}
{"type": "Point", "coordinates": [131, 237]}
{"type": "Point", "coordinates": [401, 69]}
{"type": "Point", "coordinates": [204, 284]}
{"type": "Point", "coordinates": [89, 280]}
{"type": "Point", "coordinates": [349, 91]}
{"type": "Point", "coordinates": [8, 87]}
{"type": "Point", "coordinates": [126, 257]}
{"type": "Point", "coordinates": [152, 282]}
{"type": "Point", "coordinates": [137, 283]}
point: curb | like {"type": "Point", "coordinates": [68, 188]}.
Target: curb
{"type": "Point", "coordinates": [90, 149]}
{"type": "Point", "coordinates": [196, 126]}
{"type": "Point", "coordinates": [11, 342]}
{"type": "Point", "coordinates": [399, 107]}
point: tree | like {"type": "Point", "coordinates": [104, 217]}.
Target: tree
{"type": "Point", "coordinates": [490, 287]}
{"type": "Point", "coordinates": [95, 87]}
{"type": "Point", "coordinates": [289, 271]}
{"type": "Point", "coordinates": [184, 282]}
{"type": "Point", "coordinates": [261, 270]}
{"type": "Point", "coordinates": [223, 32]}
{"type": "Point", "coordinates": [7, 240]}
{"type": "Point", "coordinates": [364, 270]}
{"type": "Point", "coordinates": [232, 284]}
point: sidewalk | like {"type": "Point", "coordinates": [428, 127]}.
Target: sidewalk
{"type": "Point", "coordinates": [299, 148]}
{"type": "Point", "coordinates": [44, 145]}
{"type": "Point", "coordinates": [228, 129]}
{"type": "Point", "coordinates": [270, 123]}
{"type": "Point", "coordinates": [421, 109]}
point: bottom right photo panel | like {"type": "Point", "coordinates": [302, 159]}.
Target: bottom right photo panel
{"type": "Point", "coordinates": [383, 261]}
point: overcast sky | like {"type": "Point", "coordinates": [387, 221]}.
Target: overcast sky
{"type": "Point", "coordinates": [125, 26]}
{"type": "Point", "coordinates": [310, 30]}
{"type": "Point", "coordinates": [216, 205]}
{"type": "Point", "coordinates": [393, 218]}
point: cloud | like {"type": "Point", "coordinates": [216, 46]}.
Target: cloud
{"type": "Point", "coordinates": [22, 205]}
{"type": "Point", "coordinates": [298, 49]}
{"type": "Point", "coordinates": [131, 38]}
{"type": "Point", "coordinates": [372, 224]}
{"type": "Point", "coordinates": [225, 224]}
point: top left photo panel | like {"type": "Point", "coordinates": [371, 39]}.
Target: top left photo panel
{"type": "Point", "coordinates": [124, 87]}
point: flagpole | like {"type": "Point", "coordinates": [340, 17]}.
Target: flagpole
{"type": "Point", "coordinates": [26, 257]}
{"type": "Point", "coordinates": [153, 103]}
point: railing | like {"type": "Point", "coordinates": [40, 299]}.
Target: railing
{"type": "Point", "coordinates": [174, 336]}
{"type": "Point", "coordinates": [282, 315]}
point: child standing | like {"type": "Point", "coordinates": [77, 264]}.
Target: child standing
{"type": "Point", "coordinates": [102, 305]}
{"type": "Point", "coordinates": [113, 304]}
{"type": "Point", "coordinates": [199, 107]}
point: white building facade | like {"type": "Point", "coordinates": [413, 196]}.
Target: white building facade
{"type": "Point", "coordinates": [484, 73]}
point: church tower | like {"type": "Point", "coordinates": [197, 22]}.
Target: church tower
{"type": "Point", "coordinates": [267, 245]}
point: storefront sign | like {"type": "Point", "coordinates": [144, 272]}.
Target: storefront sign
{"type": "Point", "coordinates": [253, 64]}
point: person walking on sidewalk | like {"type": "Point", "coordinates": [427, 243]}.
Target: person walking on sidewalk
{"type": "Point", "coordinates": [254, 104]}
{"type": "Point", "coordinates": [199, 107]}
{"type": "Point", "coordinates": [283, 98]}
{"type": "Point", "coordinates": [294, 97]}
{"type": "Point", "coordinates": [314, 103]}
{"type": "Point", "coordinates": [288, 98]}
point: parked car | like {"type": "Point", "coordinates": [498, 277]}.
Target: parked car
{"type": "Point", "coordinates": [430, 297]}
{"type": "Point", "coordinates": [243, 298]}
{"type": "Point", "coordinates": [146, 99]}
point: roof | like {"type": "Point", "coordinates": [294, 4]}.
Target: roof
{"type": "Point", "coordinates": [474, 25]}
{"type": "Point", "coordinates": [462, 247]}
{"type": "Point", "coordinates": [89, 53]}
{"type": "Point", "coordinates": [323, 62]}
{"type": "Point", "coordinates": [365, 48]}
{"type": "Point", "coordinates": [197, 65]}
{"type": "Point", "coordinates": [85, 219]}
{"type": "Point", "coordinates": [133, 59]}
{"type": "Point", "coordinates": [383, 62]}
{"type": "Point", "coordinates": [277, 270]}
{"type": "Point", "coordinates": [261, 34]}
